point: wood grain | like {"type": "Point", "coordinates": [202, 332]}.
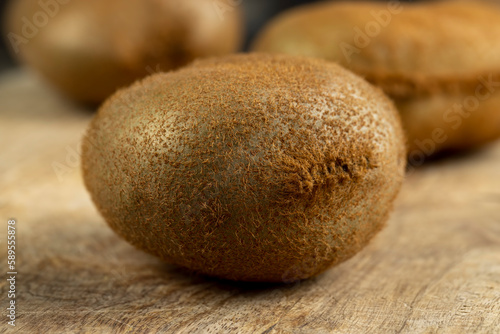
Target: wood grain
{"type": "Point", "coordinates": [434, 269]}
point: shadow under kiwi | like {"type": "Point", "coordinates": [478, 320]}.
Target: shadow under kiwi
{"type": "Point", "coordinates": [452, 156]}
{"type": "Point", "coordinates": [241, 287]}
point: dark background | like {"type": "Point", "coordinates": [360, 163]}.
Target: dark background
{"type": "Point", "coordinates": [257, 13]}
{"type": "Point", "coordinates": [5, 60]}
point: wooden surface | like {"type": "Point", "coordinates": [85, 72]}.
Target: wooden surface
{"type": "Point", "coordinates": [434, 269]}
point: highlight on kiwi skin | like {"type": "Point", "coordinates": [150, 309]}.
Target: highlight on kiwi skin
{"type": "Point", "coordinates": [247, 167]}
{"type": "Point", "coordinates": [438, 61]}
{"type": "Point", "coordinates": [87, 49]}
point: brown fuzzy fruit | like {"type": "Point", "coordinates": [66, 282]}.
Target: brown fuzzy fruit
{"type": "Point", "coordinates": [247, 167]}
{"type": "Point", "coordinates": [439, 61]}
{"type": "Point", "coordinates": [90, 48]}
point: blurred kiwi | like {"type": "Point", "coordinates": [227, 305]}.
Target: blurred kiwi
{"type": "Point", "coordinates": [247, 167]}
{"type": "Point", "coordinates": [89, 48]}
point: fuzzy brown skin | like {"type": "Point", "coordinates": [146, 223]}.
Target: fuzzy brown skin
{"type": "Point", "coordinates": [247, 167]}
{"type": "Point", "coordinates": [90, 48]}
{"type": "Point", "coordinates": [429, 55]}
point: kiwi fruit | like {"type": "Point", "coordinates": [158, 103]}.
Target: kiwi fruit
{"type": "Point", "coordinates": [251, 167]}
{"type": "Point", "coordinates": [90, 48]}
{"type": "Point", "coordinates": [439, 61]}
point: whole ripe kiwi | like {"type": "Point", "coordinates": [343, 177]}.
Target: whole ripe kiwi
{"type": "Point", "coordinates": [89, 48]}
{"type": "Point", "coordinates": [247, 167]}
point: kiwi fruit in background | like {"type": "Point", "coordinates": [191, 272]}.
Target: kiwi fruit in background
{"type": "Point", "coordinates": [247, 167]}
{"type": "Point", "coordinates": [90, 48]}
{"type": "Point", "coordinates": [439, 61]}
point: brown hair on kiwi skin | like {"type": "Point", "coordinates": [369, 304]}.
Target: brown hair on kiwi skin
{"type": "Point", "coordinates": [246, 167]}
{"type": "Point", "coordinates": [90, 48]}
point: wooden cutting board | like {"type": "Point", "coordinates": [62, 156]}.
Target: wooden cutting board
{"type": "Point", "coordinates": [434, 269]}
